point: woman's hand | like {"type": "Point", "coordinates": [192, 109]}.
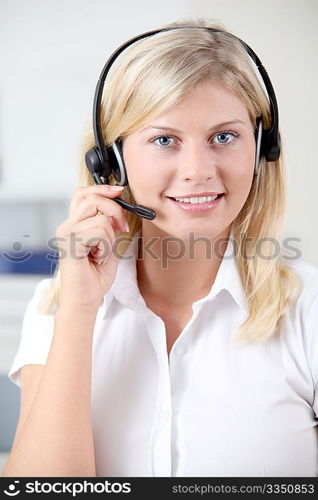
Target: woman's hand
{"type": "Point", "coordinates": [86, 240]}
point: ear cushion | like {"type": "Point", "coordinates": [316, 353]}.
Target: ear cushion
{"type": "Point", "coordinates": [116, 159]}
{"type": "Point", "coordinates": [258, 149]}
{"type": "Point", "coordinates": [96, 163]}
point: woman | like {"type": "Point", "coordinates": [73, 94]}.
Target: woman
{"type": "Point", "coordinates": [190, 348]}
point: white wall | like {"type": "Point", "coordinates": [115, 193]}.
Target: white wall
{"type": "Point", "coordinates": [52, 52]}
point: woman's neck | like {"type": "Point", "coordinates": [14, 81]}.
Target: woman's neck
{"type": "Point", "coordinates": [177, 272]}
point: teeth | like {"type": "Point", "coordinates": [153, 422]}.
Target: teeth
{"type": "Point", "coordinates": [201, 199]}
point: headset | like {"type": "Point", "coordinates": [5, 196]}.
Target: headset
{"type": "Point", "coordinates": [103, 161]}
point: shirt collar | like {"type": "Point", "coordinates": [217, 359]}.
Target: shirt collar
{"type": "Point", "coordinates": [228, 277]}
{"type": "Point", "coordinates": [125, 287]}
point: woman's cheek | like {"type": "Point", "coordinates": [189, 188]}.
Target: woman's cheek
{"type": "Point", "coordinates": [240, 193]}
{"type": "Point", "coordinates": [142, 185]}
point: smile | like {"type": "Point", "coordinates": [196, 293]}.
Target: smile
{"type": "Point", "coordinates": [197, 205]}
{"type": "Point", "coordinates": [196, 199]}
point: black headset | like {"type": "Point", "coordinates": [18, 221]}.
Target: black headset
{"type": "Point", "coordinates": [103, 161]}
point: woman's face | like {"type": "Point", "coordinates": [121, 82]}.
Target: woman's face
{"type": "Point", "coordinates": [204, 144]}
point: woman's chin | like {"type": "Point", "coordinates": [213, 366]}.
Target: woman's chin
{"type": "Point", "coordinates": [190, 234]}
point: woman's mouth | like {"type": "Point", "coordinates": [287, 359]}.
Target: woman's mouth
{"type": "Point", "coordinates": [197, 205]}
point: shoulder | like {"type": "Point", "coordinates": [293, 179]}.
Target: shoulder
{"type": "Point", "coordinates": [40, 293]}
{"type": "Point", "coordinates": [36, 332]}
{"type": "Point", "coordinates": [42, 287]}
{"type": "Point", "coordinates": [307, 275]}
{"type": "Point", "coordinates": [34, 308]}
{"type": "Point", "coordinates": [302, 317]}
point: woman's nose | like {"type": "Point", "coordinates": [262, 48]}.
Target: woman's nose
{"type": "Point", "coordinates": [198, 162]}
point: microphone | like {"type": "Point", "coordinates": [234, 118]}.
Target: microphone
{"type": "Point", "coordinates": [140, 210]}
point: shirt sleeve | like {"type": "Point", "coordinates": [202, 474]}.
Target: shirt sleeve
{"type": "Point", "coordinates": [310, 340]}
{"type": "Point", "coordinates": [36, 334]}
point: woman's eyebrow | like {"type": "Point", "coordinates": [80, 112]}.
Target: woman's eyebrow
{"type": "Point", "coordinates": [170, 129]}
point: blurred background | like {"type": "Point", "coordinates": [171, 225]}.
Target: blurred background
{"type": "Point", "coordinates": [51, 56]}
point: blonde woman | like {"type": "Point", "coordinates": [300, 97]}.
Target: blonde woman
{"type": "Point", "coordinates": [185, 344]}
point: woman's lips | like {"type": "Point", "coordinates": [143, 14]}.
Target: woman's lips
{"type": "Point", "coordinates": [198, 207]}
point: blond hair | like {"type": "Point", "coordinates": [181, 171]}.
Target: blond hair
{"type": "Point", "coordinates": [147, 79]}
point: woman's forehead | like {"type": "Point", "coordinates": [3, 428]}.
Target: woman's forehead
{"type": "Point", "coordinates": [202, 102]}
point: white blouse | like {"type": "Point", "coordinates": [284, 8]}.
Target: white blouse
{"type": "Point", "coordinates": [212, 408]}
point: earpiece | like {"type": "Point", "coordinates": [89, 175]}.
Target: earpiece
{"type": "Point", "coordinates": [99, 167]}
{"type": "Point", "coordinates": [111, 162]}
{"type": "Point", "coordinates": [117, 160]}
{"type": "Point", "coordinates": [102, 161]}
{"type": "Point", "coordinates": [258, 141]}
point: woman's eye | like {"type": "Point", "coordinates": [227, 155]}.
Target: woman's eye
{"type": "Point", "coordinates": [164, 140]}
{"type": "Point", "coordinates": [225, 137]}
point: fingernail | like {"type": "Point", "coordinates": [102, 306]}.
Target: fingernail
{"type": "Point", "coordinates": [126, 226]}
{"type": "Point", "coordinates": [116, 188]}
